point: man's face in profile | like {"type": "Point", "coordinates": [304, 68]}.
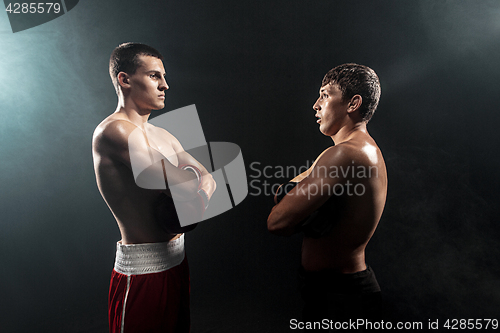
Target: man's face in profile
{"type": "Point", "coordinates": [148, 84]}
{"type": "Point", "coordinates": [330, 109]}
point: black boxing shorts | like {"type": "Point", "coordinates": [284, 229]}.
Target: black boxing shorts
{"type": "Point", "coordinates": [335, 296]}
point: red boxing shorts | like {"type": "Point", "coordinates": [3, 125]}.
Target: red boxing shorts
{"type": "Point", "coordinates": [149, 289]}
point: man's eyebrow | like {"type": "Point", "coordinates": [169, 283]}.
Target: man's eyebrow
{"type": "Point", "coordinates": [156, 72]}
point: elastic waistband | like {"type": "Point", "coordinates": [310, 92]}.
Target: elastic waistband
{"type": "Point", "coordinates": [334, 282]}
{"type": "Point", "coordinates": [136, 259]}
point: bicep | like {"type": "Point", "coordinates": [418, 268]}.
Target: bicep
{"type": "Point", "coordinates": [110, 143]}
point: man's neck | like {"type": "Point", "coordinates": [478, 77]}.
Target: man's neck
{"type": "Point", "coordinates": [132, 113]}
{"type": "Point", "coordinates": [348, 131]}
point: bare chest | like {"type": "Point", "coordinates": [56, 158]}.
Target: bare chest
{"type": "Point", "coordinates": [163, 143]}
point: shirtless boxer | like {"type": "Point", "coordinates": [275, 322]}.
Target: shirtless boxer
{"type": "Point", "coordinates": [338, 202]}
{"type": "Point", "coordinates": [149, 289]}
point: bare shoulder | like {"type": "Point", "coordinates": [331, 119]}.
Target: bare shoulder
{"type": "Point", "coordinates": [359, 151]}
{"type": "Point", "coordinates": [112, 131]}
{"type": "Point", "coordinates": [337, 155]}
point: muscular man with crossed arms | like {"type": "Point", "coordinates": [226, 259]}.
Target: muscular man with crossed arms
{"type": "Point", "coordinates": [338, 202]}
{"type": "Point", "coordinates": [149, 289]}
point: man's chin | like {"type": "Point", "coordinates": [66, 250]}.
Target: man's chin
{"type": "Point", "coordinates": [325, 132]}
{"type": "Point", "coordinates": [159, 107]}
{"type": "Point", "coordinates": [322, 130]}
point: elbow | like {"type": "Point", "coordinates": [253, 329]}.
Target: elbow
{"type": "Point", "coordinates": [213, 184]}
{"type": "Point", "coordinates": [208, 184]}
{"type": "Point", "coordinates": [277, 228]}
{"type": "Point", "coordinates": [271, 227]}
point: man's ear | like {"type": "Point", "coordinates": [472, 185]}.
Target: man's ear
{"type": "Point", "coordinates": [123, 80]}
{"type": "Point", "coordinates": [355, 103]}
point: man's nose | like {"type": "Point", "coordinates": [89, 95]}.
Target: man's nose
{"type": "Point", "coordinates": [163, 85]}
{"type": "Point", "coordinates": [316, 106]}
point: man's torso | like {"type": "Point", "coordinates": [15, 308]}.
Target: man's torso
{"type": "Point", "coordinates": [132, 206]}
{"type": "Point", "coordinates": [353, 210]}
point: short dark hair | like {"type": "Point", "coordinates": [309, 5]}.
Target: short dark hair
{"type": "Point", "coordinates": [125, 58]}
{"type": "Point", "coordinates": [354, 79]}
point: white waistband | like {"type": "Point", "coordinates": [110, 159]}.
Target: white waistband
{"type": "Point", "coordinates": [136, 259]}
